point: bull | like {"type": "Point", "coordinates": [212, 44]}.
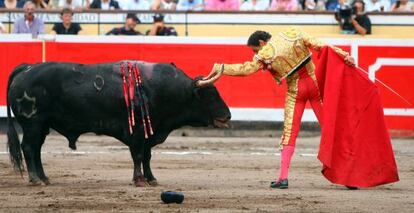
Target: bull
{"type": "Point", "coordinates": [74, 99]}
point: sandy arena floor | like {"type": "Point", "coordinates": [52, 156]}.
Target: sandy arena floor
{"type": "Point", "coordinates": [215, 175]}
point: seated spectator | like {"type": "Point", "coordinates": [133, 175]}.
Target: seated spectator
{"type": "Point", "coordinates": [195, 5]}
{"type": "Point", "coordinates": [255, 5]}
{"type": "Point", "coordinates": [135, 5]}
{"type": "Point", "coordinates": [318, 5]}
{"type": "Point", "coordinates": [129, 27]}
{"type": "Point", "coordinates": [2, 28]}
{"type": "Point", "coordinates": [354, 24]}
{"type": "Point", "coordinates": [377, 5]}
{"type": "Point", "coordinates": [159, 28]}
{"type": "Point", "coordinates": [164, 5]}
{"type": "Point", "coordinates": [104, 4]}
{"type": "Point", "coordinates": [72, 4]}
{"type": "Point", "coordinates": [222, 4]}
{"type": "Point", "coordinates": [284, 5]}
{"type": "Point", "coordinates": [11, 4]}
{"type": "Point", "coordinates": [42, 4]}
{"type": "Point", "coordinates": [332, 5]}
{"type": "Point", "coordinates": [29, 23]}
{"type": "Point", "coordinates": [403, 6]}
{"type": "Point", "coordinates": [66, 27]}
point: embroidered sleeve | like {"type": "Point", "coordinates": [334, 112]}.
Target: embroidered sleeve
{"type": "Point", "coordinates": [316, 44]}
{"type": "Point", "coordinates": [247, 68]}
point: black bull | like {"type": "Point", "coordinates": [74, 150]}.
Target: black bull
{"type": "Point", "coordinates": [74, 99]}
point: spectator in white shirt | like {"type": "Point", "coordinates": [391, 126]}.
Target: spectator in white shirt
{"type": "Point", "coordinates": [135, 5]}
{"type": "Point", "coordinates": [164, 5]}
{"type": "Point", "coordinates": [72, 4]}
{"type": "Point", "coordinates": [2, 28]}
{"type": "Point", "coordinates": [255, 5]}
{"type": "Point", "coordinates": [377, 5]}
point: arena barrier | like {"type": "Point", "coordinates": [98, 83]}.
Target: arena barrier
{"type": "Point", "coordinates": [256, 98]}
{"type": "Point", "coordinates": [219, 23]}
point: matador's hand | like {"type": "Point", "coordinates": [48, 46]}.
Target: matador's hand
{"type": "Point", "coordinates": [212, 74]}
{"type": "Point", "coordinates": [349, 60]}
{"type": "Point", "coordinates": [216, 70]}
{"type": "Point", "coordinates": [212, 77]}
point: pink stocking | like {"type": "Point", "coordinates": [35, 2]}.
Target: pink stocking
{"type": "Point", "coordinates": [285, 158]}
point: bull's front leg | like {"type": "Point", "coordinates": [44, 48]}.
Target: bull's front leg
{"type": "Point", "coordinates": [147, 166]}
{"type": "Point", "coordinates": [137, 156]}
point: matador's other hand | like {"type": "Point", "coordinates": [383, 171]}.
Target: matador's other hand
{"type": "Point", "coordinates": [350, 61]}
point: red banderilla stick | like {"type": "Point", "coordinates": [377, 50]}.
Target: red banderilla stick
{"type": "Point", "coordinates": [124, 86]}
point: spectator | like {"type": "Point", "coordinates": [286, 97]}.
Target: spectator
{"type": "Point", "coordinates": [314, 5]}
{"type": "Point", "coordinates": [377, 5]}
{"type": "Point", "coordinates": [358, 22]}
{"type": "Point", "coordinates": [29, 23]}
{"type": "Point", "coordinates": [255, 5]}
{"type": "Point", "coordinates": [72, 4]}
{"type": "Point", "coordinates": [331, 5]}
{"type": "Point", "coordinates": [222, 4]}
{"type": "Point", "coordinates": [42, 4]}
{"type": "Point", "coordinates": [195, 5]}
{"type": "Point", "coordinates": [164, 5]}
{"type": "Point", "coordinates": [159, 28]}
{"type": "Point", "coordinates": [402, 6]}
{"type": "Point", "coordinates": [104, 4]}
{"type": "Point", "coordinates": [66, 27]}
{"type": "Point", "coordinates": [284, 5]}
{"type": "Point", "coordinates": [129, 27]}
{"type": "Point", "coordinates": [361, 22]}
{"type": "Point", "coordinates": [11, 4]}
{"type": "Point", "coordinates": [2, 28]}
{"type": "Point", "coordinates": [135, 5]}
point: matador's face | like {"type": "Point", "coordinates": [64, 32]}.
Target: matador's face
{"type": "Point", "coordinates": [256, 49]}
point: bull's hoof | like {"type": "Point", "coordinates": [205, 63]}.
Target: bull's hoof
{"type": "Point", "coordinates": [140, 183]}
{"type": "Point", "coordinates": [35, 182]}
{"type": "Point", "coordinates": [153, 183]}
{"type": "Point", "coordinates": [46, 181]}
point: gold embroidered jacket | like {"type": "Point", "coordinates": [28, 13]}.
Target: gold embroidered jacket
{"type": "Point", "coordinates": [280, 55]}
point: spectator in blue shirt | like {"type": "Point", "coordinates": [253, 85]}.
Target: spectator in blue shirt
{"type": "Point", "coordinates": [196, 5]}
{"type": "Point", "coordinates": [11, 4]}
{"type": "Point", "coordinates": [29, 23]}
{"type": "Point", "coordinates": [332, 5]}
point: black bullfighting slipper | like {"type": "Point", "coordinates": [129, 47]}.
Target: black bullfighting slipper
{"type": "Point", "coordinates": [172, 197]}
{"type": "Point", "coordinates": [280, 184]}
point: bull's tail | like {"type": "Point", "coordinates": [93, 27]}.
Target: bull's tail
{"type": "Point", "coordinates": [13, 142]}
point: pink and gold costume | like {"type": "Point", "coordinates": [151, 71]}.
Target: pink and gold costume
{"type": "Point", "coordinates": [355, 146]}
{"type": "Point", "coordinates": [287, 56]}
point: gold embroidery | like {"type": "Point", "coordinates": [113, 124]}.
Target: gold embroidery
{"type": "Point", "coordinates": [290, 102]}
{"type": "Point", "coordinates": [310, 67]}
{"type": "Point", "coordinates": [286, 60]}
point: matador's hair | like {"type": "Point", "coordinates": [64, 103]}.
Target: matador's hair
{"type": "Point", "coordinates": [256, 36]}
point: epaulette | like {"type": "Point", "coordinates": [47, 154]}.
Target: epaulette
{"type": "Point", "coordinates": [292, 34]}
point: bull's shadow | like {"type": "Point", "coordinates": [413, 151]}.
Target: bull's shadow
{"type": "Point", "coordinates": [74, 99]}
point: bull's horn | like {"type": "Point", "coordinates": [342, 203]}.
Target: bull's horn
{"type": "Point", "coordinates": [207, 82]}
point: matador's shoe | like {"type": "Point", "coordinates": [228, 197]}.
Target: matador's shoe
{"type": "Point", "coordinates": [280, 184]}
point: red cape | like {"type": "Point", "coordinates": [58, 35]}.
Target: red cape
{"type": "Point", "coordinates": [355, 146]}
